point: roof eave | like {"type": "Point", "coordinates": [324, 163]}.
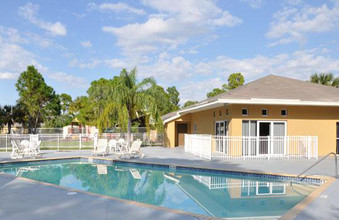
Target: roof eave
{"type": "Point", "coordinates": [253, 101]}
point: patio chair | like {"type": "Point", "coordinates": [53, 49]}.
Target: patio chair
{"type": "Point", "coordinates": [29, 148]}
{"type": "Point", "coordinates": [133, 151]}
{"type": "Point", "coordinates": [101, 148]}
{"type": "Point", "coordinates": [16, 151]}
{"type": "Point", "coordinates": [112, 145]}
{"type": "Point", "coordinates": [35, 147]}
{"type": "Point", "coordinates": [135, 173]}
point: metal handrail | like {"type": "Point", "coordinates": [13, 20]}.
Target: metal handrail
{"type": "Point", "coordinates": [313, 165]}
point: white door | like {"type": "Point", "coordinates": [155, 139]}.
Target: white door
{"type": "Point", "coordinates": [249, 140]}
{"type": "Point", "coordinates": [278, 138]}
{"type": "Point", "coordinates": [264, 133]}
{"type": "Point", "coordinates": [271, 137]}
{"type": "Point", "coordinates": [220, 132]}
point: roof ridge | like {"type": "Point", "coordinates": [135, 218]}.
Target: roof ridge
{"type": "Point", "coordinates": [306, 82]}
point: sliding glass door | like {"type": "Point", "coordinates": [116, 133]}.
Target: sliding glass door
{"type": "Point", "coordinates": [249, 134]}
{"type": "Point", "coordinates": [221, 130]}
{"type": "Point", "coordinates": [263, 137]}
{"type": "Point", "coordinates": [271, 137]}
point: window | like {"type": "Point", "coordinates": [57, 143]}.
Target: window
{"type": "Point", "coordinates": [195, 128]}
{"type": "Point", "coordinates": [219, 113]}
{"type": "Point", "coordinates": [214, 114]}
{"type": "Point", "coordinates": [244, 111]}
{"type": "Point", "coordinates": [283, 112]}
{"type": "Point", "coordinates": [264, 112]}
{"type": "Point", "coordinates": [227, 111]}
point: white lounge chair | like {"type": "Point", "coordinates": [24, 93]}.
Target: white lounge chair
{"type": "Point", "coordinates": [133, 151]}
{"type": "Point", "coordinates": [101, 148]}
{"type": "Point", "coordinates": [35, 142]}
{"type": "Point", "coordinates": [135, 173]}
{"type": "Point", "coordinates": [112, 145]}
{"type": "Point", "coordinates": [23, 149]}
{"type": "Point", "coordinates": [35, 145]}
{"type": "Point", "coordinates": [16, 151]}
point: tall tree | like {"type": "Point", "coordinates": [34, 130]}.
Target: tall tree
{"type": "Point", "coordinates": [36, 97]}
{"type": "Point", "coordinates": [8, 117]}
{"type": "Point", "coordinates": [173, 97]}
{"type": "Point", "coordinates": [188, 103]}
{"type": "Point", "coordinates": [132, 99]}
{"type": "Point", "coordinates": [215, 92]}
{"type": "Point", "coordinates": [65, 102]}
{"type": "Point", "coordinates": [82, 109]}
{"type": "Point", "coordinates": [234, 80]}
{"type": "Point", "coordinates": [327, 79]}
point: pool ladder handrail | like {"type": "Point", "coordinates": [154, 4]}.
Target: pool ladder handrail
{"type": "Point", "coordinates": [316, 163]}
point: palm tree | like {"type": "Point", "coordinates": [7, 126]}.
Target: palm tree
{"type": "Point", "coordinates": [327, 79]}
{"type": "Point", "coordinates": [7, 116]}
{"type": "Point", "coordinates": [132, 100]}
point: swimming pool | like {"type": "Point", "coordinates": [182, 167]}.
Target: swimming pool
{"type": "Point", "coordinates": [203, 192]}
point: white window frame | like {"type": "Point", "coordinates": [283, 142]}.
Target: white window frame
{"type": "Point", "coordinates": [282, 114]}
{"type": "Point", "coordinates": [270, 185]}
{"type": "Point", "coordinates": [195, 128]}
{"type": "Point", "coordinates": [224, 122]}
{"type": "Point", "coordinates": [266, 112]}
{"type": "Point", "coordinates": [271, 135]}
{"type": "Point", "coordinates": [246, 111]}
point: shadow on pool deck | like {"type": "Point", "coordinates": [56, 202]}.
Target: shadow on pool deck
{"type": "Point", "coordinates": [23, 200]}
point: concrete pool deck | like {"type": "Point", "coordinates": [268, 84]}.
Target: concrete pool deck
{"type": "Point", "coordinates": [21, 199]}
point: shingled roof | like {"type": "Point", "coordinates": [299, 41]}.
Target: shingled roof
{"type": "Point", "coordinates": [275, 88]}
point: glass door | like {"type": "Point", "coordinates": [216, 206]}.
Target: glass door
{"type": "Point", "coordinates": [278, 138]}
{"type": "Point", "coordinates": [271, 137]}
{"type": "Point", "coordinates": [249, 138]}
{"type": "Point", "coordinates": [264, 133]}
{"type": "Point", "coordinates": [221, 132]}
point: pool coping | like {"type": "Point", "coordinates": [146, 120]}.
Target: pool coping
{"type": "Point", "coordinates": [326, 181]}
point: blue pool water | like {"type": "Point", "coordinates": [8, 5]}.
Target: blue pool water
{"type": "Point", "coordinates": [209, 194]}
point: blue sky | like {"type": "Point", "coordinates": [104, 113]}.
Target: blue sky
{"type": "Point", "coordinates": [192, 44]}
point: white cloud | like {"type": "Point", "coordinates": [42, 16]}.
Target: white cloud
{"type": "Point", "coordinates": [85, 65]}
{"type": "Point", "coordinates": [176, 22]}
{"type": "Point", "coordinates": [197, 91]}
{"type": "Point", "coordinates": [203, 76]}
{"type": "Point", "coordinates": [86, 44]}
{"type": "Point", "coordinates": [70, 80]}
{"type": "Point", "coordinates": [116, 63]}
{"type": "Point", "coordinates": [167, 69]}
{"type": "Point", "coordinates": [117, 7]}
{"type": "Point", "coordinates": [15, 59]}
{"type": "Point", "coordinates": [29, 12]}
{"type": "Point", "coordinates": [293, 24]}
{"type": "Point", "coordinates": [300, 64]}
{"type": "Point", "coordinates": [294, 2]}
{"type": "Point", "coordinates": [254, 3]}
{"type": "Point", "coordinates": [4, 76]}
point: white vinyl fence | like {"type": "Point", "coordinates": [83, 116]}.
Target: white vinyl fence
{"type": "Point", "coordinates": [76, 141]}
{"type": "Point", "coordinates": [199, 145]}
{"type": "Point", "coordinates": [241, 147]}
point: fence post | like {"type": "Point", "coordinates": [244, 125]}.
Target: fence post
{"type": "Point", "coordinates": [58, 138]}
{"type": "Point", "coordinates": [6, 142]}
{"type": "Point", "coordinates": [80, 143]}
{"type": "Point", "coordinates": [308, 147]}
{"type": "Point", "coordinates": [210, 140]}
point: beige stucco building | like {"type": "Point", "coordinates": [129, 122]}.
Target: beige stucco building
{"type": "Point", "coordinates": [268, 107]}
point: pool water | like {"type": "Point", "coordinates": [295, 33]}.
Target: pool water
{"type": "Point", "coordinates": [218, 195]}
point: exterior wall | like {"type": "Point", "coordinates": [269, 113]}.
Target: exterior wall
{"type": "Point", "coordinates": [170, 129]}
{"type": "Point", "coordinates": [301, 121]}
